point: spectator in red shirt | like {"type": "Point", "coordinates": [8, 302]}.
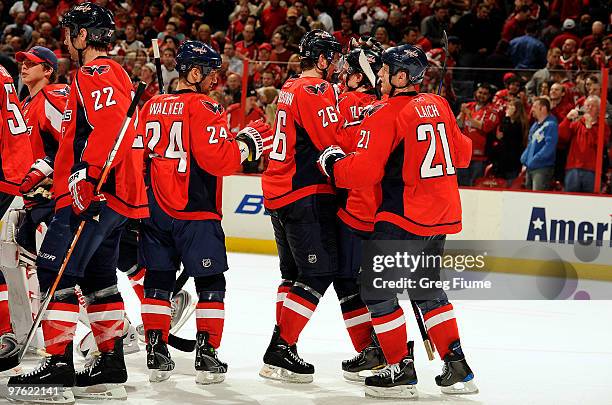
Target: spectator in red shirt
{"type": "Point", "coordinates": [412, 36]}
{"type": "Point", "coordinates": [247, 47]}
{"type": "Point", "coordinates": [238, 24]}
{"type": "Point", "coordinates": [581, 133]}
{"type": "Point", "coordinates": [147, 75]}
{"type": "Point", "coordinates": [477, 119]}
{"type": "Point", "coordinates": [279, 51]}
{"type": "Point", "coordinates": [345, 34]}
{"type": "Point", "coordinates": [516, 23]}
{"type": "Point", "coordinates": [272, 16]}
{"type": "Point", "coordinates": [205, 35]}
{"type": "Point", "coordinates": [252, 111]}
{"type": "Point", "coordinates": [263, 64]}
{"type": "Point", "coordinates": [559, 104]}
{"type": "Point", "coordinates": [569, 26]}
{"type": "Point", "coordinates": [592, 41]}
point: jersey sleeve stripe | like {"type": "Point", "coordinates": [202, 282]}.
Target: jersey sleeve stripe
{"type": "Point", "coordinates": [53, 115]}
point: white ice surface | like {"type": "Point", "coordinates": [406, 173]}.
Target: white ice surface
{"type": "Point", "coordinates": [522, 352]}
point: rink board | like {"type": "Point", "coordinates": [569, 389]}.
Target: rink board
{"type": "Point", "coordinates": [487, 215]}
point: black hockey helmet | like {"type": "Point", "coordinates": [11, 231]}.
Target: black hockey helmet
{"type": "Point", "coordinates": [317, 42]}
{"type": "Point", "coordinates": [369, 69]}
{"type": "Point", "coordinates": [408, 58]}
{"type": "Point", "coordinates": [98, 21]}
{"type": "Point", "coordinates": [196, 53]}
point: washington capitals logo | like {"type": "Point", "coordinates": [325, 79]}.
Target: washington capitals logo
{"type": "Point", "coordinates": [215, 108]}
{"type": "Point", "coordinates": [371, 109]}
{"type": "Point", "coordinates": [92, 70]}
{"type": "Point", "coordinates": [65, 92]}
{"type": "Point", "coordinates": [316, 89]}
{"type": "Point", "coordinates": [412, 53]}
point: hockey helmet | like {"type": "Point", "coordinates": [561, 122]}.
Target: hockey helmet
{"type": "Point", "coordinates": [317, 42]}
{"type": "Point", "coordinates": [97, 20]}
{"type": "Point", "coordinates": [196, 53]}
{"type": "Point", "coordinates": [368, 65]}
{"type": "Point", "coordinates": [408, 58]}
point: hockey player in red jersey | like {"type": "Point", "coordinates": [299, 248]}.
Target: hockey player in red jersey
{"type": "Point", "coordinates": [301, 201]}
{"type": "Point", "coordinates": [356, 211]}
{"type": "Point", "coordinates": [15, 158]}
{"type": "Point", "coordinates": [189, 149]}
{"type": "Point", "coordinates": [420, 201]}
{"type": "Point", "coordinates": [97, 105]}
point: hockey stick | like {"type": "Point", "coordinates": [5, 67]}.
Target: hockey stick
{"type": "Point", "coordinates": [158, 71]}
{"type": "Point", "coordinates": [105, 170]}
{"type": "Point", "coordinates": [445, 46]}
{"type": "Point", "coordinates": [417, 315]}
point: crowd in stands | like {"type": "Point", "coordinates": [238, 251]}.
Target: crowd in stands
{"type": "Point", "coordinates": [523, 75]}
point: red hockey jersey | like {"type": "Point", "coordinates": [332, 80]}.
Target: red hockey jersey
{"type": "Point", "coordinates": [189, 150]}
{"type": "Point", "coordinates": [412, 148]}
{"type": "Point", "coordinates": [361, 203]}
{"type": "Point", "coordinates": [307, 121]}
{"type": "Point", "coordinates": [97, 105]}
{"type": "Point", "coordinates": [15, 153]}
{"type": "Point", "coordinates": [44, 114]}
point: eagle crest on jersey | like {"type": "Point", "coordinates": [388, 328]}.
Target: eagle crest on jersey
{"type": "Point", "coordinates": [372, 109]}
{"type": "Point", "coordinates": [215, 108]}
{"type": "Point", "coordinates": [65, 92]}
{"type": "Point", "coordinates": [315, 89]}
{"type": "Point", "coordinates": [92, 70]}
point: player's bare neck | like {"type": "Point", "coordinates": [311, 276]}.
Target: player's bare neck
{"type": "Point", "coordinates": [185, 86]}
{"type": "Point", "coordinates": [311, 73]}
{"type": "Point", "coordinates": [90, 54]}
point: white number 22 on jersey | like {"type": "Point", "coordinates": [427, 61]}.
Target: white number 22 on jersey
{"type": "Point", "coordinates": [425, 132]}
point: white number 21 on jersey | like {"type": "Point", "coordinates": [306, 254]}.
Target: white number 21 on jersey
{"type": "Point", "coordinates": [425, 132]}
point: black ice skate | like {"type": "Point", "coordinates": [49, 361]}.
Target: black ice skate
{"type": "Point", "coordinates": [9, 355]}
{"type": "Point", "coordinates": [53, 371]}
{"type": "Point", "coordinates": [366, 363]}
{"type": "Point", "coordinates": [456, 377]}
{"type": "Point", "coordinates": [282, 362]}
{"type": "Point", "coordinates": [396, 380]}
{"type": "Point", "coordinates": [158, 357]}
{"type": "Point", "coordinates": [104, 377]}
{"type": "Point", "coordinates": [210, 369]}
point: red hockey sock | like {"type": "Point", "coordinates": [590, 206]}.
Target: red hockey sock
{"type": "Point", "coordinates": [442, 328]}
{"type": "Point", "coordinates": [137, 282]}
{"type": "Point", "coordinates": [5, 316]}
{"type": "Point", "coordinates": [106, 321]}
{"type": "Point", "coordinates": [58, 325]}
{"type": "Point", "coordinates": [295, 315]}
{"type": "Point", "coordinates": [359, 326]}
{"type": "Point", "coordinates": [391, 332]}
{"type": "Point", "coordinates": [210, 317]}
{"type": "Point", "coordinates": [281, 294]}
{"type": "Point", "coordinates": [156, 314]}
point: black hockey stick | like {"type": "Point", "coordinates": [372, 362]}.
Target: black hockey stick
{"type": "Point", "coordinates": [428, 346]}
{"type": "Point", "coordinates": [105, 170]}
{"type": "Point", "coordinates": [445, 46]}
{"type": "Point", "coordinates": [158, 70]}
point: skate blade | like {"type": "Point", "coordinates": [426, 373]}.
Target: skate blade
{"type": "Point", "coordinates": [65, 396]}
{"type": "Point", "coordinates": [281, 374]}
{"type": "Point", "coordinates": [461, 388]}
{"type": "Point", "coordinates": [159, 375]}
{"type": "Point", "coordinates": [11, 372]}
{"type": "Point", "coordinates": [101, 391]}
{"type": "Point", "coordinates": [184, 318]}
{"type": "Point", "coordinates": [399, 392]}
{"type": "Point", "coordinates": [360, 376]}
{"type": "Point", "coordinates": [206, 377]}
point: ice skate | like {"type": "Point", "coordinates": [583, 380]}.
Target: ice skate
{"type": "Point", "coordinates": [55, 372]}
{"type": "Point", "coordinates": [394, 381]}
{"type": "Point", "coordinates": [365, 364]}
{"type": "Point", "coordinates": [456, 377]}
{"type": "Point", "coordinates": [87, 345]}
{"type": "Point", "coordinates": [9, 356]}
{"type": "Point", "coordinates": [158, 357]}
{"type": "Point", "coordinates": [104, 377]}
{"type": "Point", "coordinates": [210, 369]}
{"type": "Point", "coordinates": [282, 362]}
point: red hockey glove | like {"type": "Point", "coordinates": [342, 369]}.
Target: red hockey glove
{"type": "Point", "coordinates": [255, 136]}
{"type": "Point", "coordinates": [85, 202]}
{"type": "Point", "coordinates": [39, 172]}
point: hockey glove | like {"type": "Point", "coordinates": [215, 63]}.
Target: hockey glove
{"type": "Point", "coordinates": [85, 202]}
{"type": "Point", "coordinates": [39, 172]}
{"type": "Point", "coordinates": [328, 158]}
{"type": "Point", "coordinates": [254, 139]}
